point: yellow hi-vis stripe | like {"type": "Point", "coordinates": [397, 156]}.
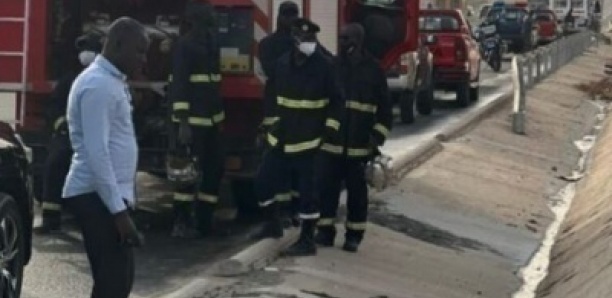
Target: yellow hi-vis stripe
{"type": "Point", "coordinates": [294, 148]}
{"type": "Point", "coordinates": [202, 121]}
{"type": "Point", "coordinates": [295, 193]}
{"type": "Point", "coordinates": [362, 107]}
{"type": "Point", "coordinates": [356, 226]}
{"type": "Point", "coordinates": [356, 152]}
{"type": "Point", "coordinates": [333, 124]}
{"type": "Point", "coordinates": [283, 197]}
{"type": "Point", "coordinates": [381, 129]}
{"type": "Point", "coordinates": [302, 104]}
{"type": "Point", "coordinates": [182, 197]}
{"type": "Point", "coordinates": [325, 222]}
{"type": "Point", "coordinates": [270, 120]}
{"type": "Point", "coordinates": [201, 78]}
{"type": "Point", "coordinates": [267, 203]}
{"type": "Point", "coordinates": [272, 140]}
{"type": "Point", "coordinates": [208, 198]}
{"type": "Point", "coordinates": [59, 122]}
{"type": "Point", "coordinates": [180, 105]}
{"type": "Point", "coordinates": [51, 206]}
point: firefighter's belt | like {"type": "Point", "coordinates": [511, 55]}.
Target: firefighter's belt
{"type": "Point", "coordinates": [354, 152]}
{"type": "Point", "coordinates": [295, 148]}
{"type": "Point", "coordinates": [302, 104]}
{"type": "Point", "coordinates": [362, 107]}
{"type": "Point", "coordinates": [202, 78]}
{"type": "Point", "coordinates": [203, 121]}
{"type": "Point", "coordinates": [382, 129]}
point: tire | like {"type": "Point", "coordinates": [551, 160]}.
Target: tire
{"type": "Point", "coordinates": [496, 61]}
{"type": "Point", "coordinates": [11, 223]}
{"type": "Point", "coordinates": [424, 101]}
{"type": "Point", "coordinates": [406, 104]}
{"type": "Point", "coordinates": [463, 94]}
{"type": "Point", "coordinates": [474, 93]}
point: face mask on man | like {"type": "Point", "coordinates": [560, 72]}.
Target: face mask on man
{"type": "Point", "coordinates": [87, 57]}
{"type": "Point", "coordinates": [307, 48]}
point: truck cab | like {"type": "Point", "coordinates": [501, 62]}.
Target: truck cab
{"type": "Point", "coordinates": [514, 25]}
{"type": "Point", "coordinates": [548, 29]}
{"type": "Point", "coordinates": [392, 37]}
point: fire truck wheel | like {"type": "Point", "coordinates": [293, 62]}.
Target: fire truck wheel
{"type": "Point", "coordinates": [406, 103]}
{"type": "Point", "coordinates": [463, 94]}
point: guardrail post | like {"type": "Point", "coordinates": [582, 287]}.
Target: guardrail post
{"type": "Point", "coordinates": [518, 77]}
{"type": "Point", "coordinates": [538, 65]}
{"type": "Point", "coordinates": [529, 62]}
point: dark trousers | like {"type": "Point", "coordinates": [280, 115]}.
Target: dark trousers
{"type": "Point", "coordinates": [334, 170]}
{"type": "Point", "coordinates": [207, 145]}
{"type": "Point", "coordinates": [275, 176]}
{"type": "Point", "coordinates": [56, 168]}
{"type": "Point", "coordinates": [112, 264]}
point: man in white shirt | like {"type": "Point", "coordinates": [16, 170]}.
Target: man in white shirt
{"type": "Point", "coordinates": [99, 188]}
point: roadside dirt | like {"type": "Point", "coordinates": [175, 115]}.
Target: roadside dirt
{"type": "Point", "coordinates": [581, 263]}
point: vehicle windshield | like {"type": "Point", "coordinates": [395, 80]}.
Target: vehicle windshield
{"type": "Point", "coordinates": [544, 16]}
{"type": "Point", "coordinates": [438, 23]}
{"type": "Point", "coordinates": [507, 14]}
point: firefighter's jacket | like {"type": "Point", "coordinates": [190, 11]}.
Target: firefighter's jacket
{"type": "Point", "coordinates": [307, 101]}
{"type": "Point", "coordinates": [195, 83]}
{"type": "Point", "coordinates": [271, 49]}
{"type": "Point", "coordinates": [366, 116]}
{"type": "Point", "coordinates": [58, 101]}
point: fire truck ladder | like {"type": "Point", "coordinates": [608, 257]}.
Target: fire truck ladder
{"type": "Point", "coordinates": [23, 54]}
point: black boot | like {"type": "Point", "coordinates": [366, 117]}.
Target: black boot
{"type": "Point", "coordinates": [204, 215]}
{"type": "Point", "coordinates": [305, 246]}
{"type": "Point", "coordinates": [352, 240]}
{"type": "Point", "coordinates": [326, 236]}
{"type": "Point", "coordinates": [51, 223]}
{"type": "Point", "coordinates": [273, 227]}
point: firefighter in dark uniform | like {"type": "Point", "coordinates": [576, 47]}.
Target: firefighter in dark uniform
{"type": "Point", "coordinates": [198, 113]}
{"type": "Point", "coordinates": [306, 98]}
{"type": "Point", "coordinates": [271, 48]}
{"type": "Point", "coordinates": [364, 125]}
{"type": "Point", "coordinates": [57, 163]}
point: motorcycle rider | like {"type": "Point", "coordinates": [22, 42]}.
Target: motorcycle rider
{"type": "Point", "coordinates": [60, 152]}
{"type": "Point", "coordinates": [198, 114]}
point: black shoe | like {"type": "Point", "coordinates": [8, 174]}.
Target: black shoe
{"type": "Point", "coordinates": [325, 237]}
{"type": "Point", "coordinates": [302, 248]}
{"type": "Point", "coordinates": [351, 245]}
{"type": "Point", "coordinates": [270, 230]}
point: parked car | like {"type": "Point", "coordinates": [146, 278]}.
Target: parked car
{"type": "Point", "coordinates": [548, 29]}
{"type": "Point", "coordinates": [456, 54]}
{"type": "Point", "coordinates": [16, 211]}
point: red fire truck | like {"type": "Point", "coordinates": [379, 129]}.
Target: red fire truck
{"type": "Point", "coordinates": [37, 45]}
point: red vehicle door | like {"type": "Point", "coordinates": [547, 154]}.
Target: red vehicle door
{"type": "Point", "coordinates": [391, 26]}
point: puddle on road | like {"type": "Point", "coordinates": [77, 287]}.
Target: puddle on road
{"type": "Point", "coordinates": [425, 232]}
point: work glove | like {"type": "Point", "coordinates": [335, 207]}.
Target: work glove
{"type": "Point", "coordinates": [184, 133]}
{"type": "Point", "coordinates": [128, 233]}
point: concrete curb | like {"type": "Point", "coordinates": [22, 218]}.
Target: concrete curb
{"type": "Point", "coordinates": [256, 256]}
{"type": "Point", "coordinates": [475, 117]}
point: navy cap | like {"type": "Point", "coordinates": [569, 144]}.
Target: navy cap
{"type": "Point", "coordinates": [89, 42]}
{"type": "Point", "coordinates": [288, 8]}
{"type": "Point", "coordinates": [303, 25]}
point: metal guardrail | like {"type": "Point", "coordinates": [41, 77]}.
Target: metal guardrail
{"type": "Point", "coordinates": [531, 68]}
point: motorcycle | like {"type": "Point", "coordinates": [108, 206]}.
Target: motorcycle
{"type": "Point", "coordinates": [491, 46]}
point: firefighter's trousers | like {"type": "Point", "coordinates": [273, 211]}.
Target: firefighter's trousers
{"type": "Point", "coordinates": [275, 175]}
{"type": "Point", "coordinates": [207, 145]}
{"type": "Point", "coordinates": [334, 170]}
{"type": "Point", "coordinates": [56, 168]}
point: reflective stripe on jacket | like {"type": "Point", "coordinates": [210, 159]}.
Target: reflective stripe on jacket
{"type": "Point", "coordinates": [366, 115]}
{"type": "Point", "coordinates": [195, 82]}
{"type": "Point", "coordinates": [306, 104]}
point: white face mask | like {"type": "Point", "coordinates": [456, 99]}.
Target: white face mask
{"type": "Point", "coordinates": [86, 57]}
{"type": "Point", "coordinates": [308, 48]}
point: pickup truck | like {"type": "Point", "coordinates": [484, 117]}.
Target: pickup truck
{"type": "Point", "coordinates": [548, 29]}
{"type": "Point", "coordinates": [456, 54]}
{"type": "Point", "coordinates": [515, 27]}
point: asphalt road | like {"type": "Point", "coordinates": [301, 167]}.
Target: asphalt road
{"type": "Point", "coordinates": [59, 268]}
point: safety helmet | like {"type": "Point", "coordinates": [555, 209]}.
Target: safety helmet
{"type": "Point", "coordinates": [182, 169]}
{"type": "Point", "coordinates": [378, 172]}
